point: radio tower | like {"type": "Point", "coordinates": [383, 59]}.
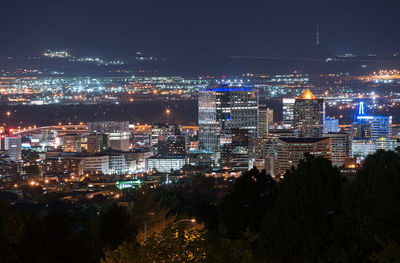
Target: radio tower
{"type": "Point", "coordinates": [317, 36]}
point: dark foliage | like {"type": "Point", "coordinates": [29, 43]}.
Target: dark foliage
{"type": "Point", "coordinates": [312, 215]}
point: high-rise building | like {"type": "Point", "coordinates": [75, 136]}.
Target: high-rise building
{"type": "Point", "coordinates": [208, 125]}
{"type": "Point", "coordinates": [309, 115]}
{"type": "Point", "coordinates": [13, 146]}
{"type": "Point", "coordinates": [224, 108]}
{"type": "Point", "coordinates": [244, 110]}
{"type": "Point", "coordinates": [162, 131]}
{"type": "Point", "coordinates": [174, 145]}
{"type": "Point", "coordinates": [235, 150]}
{"type": "Point", "coordinates": [291, 150]}
{"type": "Point", "coordinates": [119, 141]}
{"type": "Point", "coordinates": [381, 127]}
{"type": "Point", "coordinates": [97, 142]}
{"type": "Point", "coordinates": [118, 132]}
{"type": "Point", "coordinates": [72, 143]}
{"type": "Point", "coordinates": [265, 119]}
{"type": "Point", "coordinates": [341, 147]}
{"type": "Point", "coordinates": [371, 126]}
{"type": "Point", "coordinates": [288, 105]}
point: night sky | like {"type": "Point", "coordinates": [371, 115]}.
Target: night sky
{"type": "Point", "coordinates": [198, 29]}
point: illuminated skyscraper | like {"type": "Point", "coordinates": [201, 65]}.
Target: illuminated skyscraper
{"type": "Point", "coordinates": [265, 119]}
{"type": "Point", "coordinates": [288, 105]}
{"type": "Point", "coordinates": [371, 126]}
{"type": "Point", "coordinates": [309, 115]}
{"type": "Point", "coordinates": [224, 108]}
{"type": "Point", "coordinates": [13, 145]}
{"type": "Point", "coordinates": [208, 126]}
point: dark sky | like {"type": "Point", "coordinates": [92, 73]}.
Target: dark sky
{"type": "Point", "coordinates": [170, 28]}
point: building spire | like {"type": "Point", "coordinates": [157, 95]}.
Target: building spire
{"type": "Point", "coordinates": [361, 110]}
{"type": "Point", "coordinates": [317, 36]}
{"type": "Point", "coordinates": [307, 95]}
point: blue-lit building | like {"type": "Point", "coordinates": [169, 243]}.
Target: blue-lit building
{"type": "Point", "coordinates": [371, 126]}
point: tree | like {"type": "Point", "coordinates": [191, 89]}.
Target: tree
{"type": "Point", "coordinates": [243, 209]}
{"type": "Point", "coordinates": [170, 245]}
{"type": "Point", "coordinates": [372, 207]}
{"type": "Point", "coordinates": [298, 227]}
{"type": "Point", "coordinates": [221, 248]}
{"type": "Point", "coordinates": [147, 213]}
{"type": "Point", "coordinates": [116, 227]}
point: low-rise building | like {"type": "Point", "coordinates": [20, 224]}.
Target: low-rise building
{"type": "Point", "coordinates": [165, 164]}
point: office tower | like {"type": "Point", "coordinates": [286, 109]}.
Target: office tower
{"type": "Point", "coordinates": [119, 141]}
{"type": "Point", "coordinates": [244, 110]}
{"type": "Point", "coordinates": [118, 132]}
{"type": "Point", "coordinates": [72, 143]}
{"type": "Point", "coordinates": [225, 108]}
{"type": "Point", "coordinates": [381, 127]}
{"type": "Point", "coordinates": [309, 115]}
{"type": "Point", "coordinates": [341, 147]}
{"type": "Point", "coordinates": [162, 131]}
{"type": "Point", "coordinates": [97, 142]}
{"type": "Point", "coordinates": [13, 146]}
{"type": "Point", "coordinates": [331, 125]}
{"type": "Point", "coordinates": [207, 119]}
{"type": "Point", "coordinates": [291, 150]}
{"type": "Point", "coordinates": [235, 154]}
{"type": "Point", "coordinates": [265, 119]}
{"type": "Point", "coordinates": [361, 129]}
{"type": "Point", "coordinates": [371, 126]}
{"type": "Point", "coordinates": [288, 105]}
{"type": "Point", "coordinates": [174, 145]}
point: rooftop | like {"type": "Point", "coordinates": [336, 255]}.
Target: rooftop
{"type": "Point", "coordinates": [307, 95]}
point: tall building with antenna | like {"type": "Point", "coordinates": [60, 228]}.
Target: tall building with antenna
{"type": "Point", "coordinates": [317, 36]}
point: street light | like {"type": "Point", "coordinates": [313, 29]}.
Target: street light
{"type": "Point", "coordinates": [8, 117]}
{"type": "Point", "coordinates": [168, 112]}
{"type": "Point", "coordinates": [192, 220]}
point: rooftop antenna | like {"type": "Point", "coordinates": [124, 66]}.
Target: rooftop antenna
{"type": "Point", "coordinates": [317, 36]}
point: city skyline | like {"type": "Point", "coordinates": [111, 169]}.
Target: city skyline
{"type": "Point", "coordinates": [203, 132]}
